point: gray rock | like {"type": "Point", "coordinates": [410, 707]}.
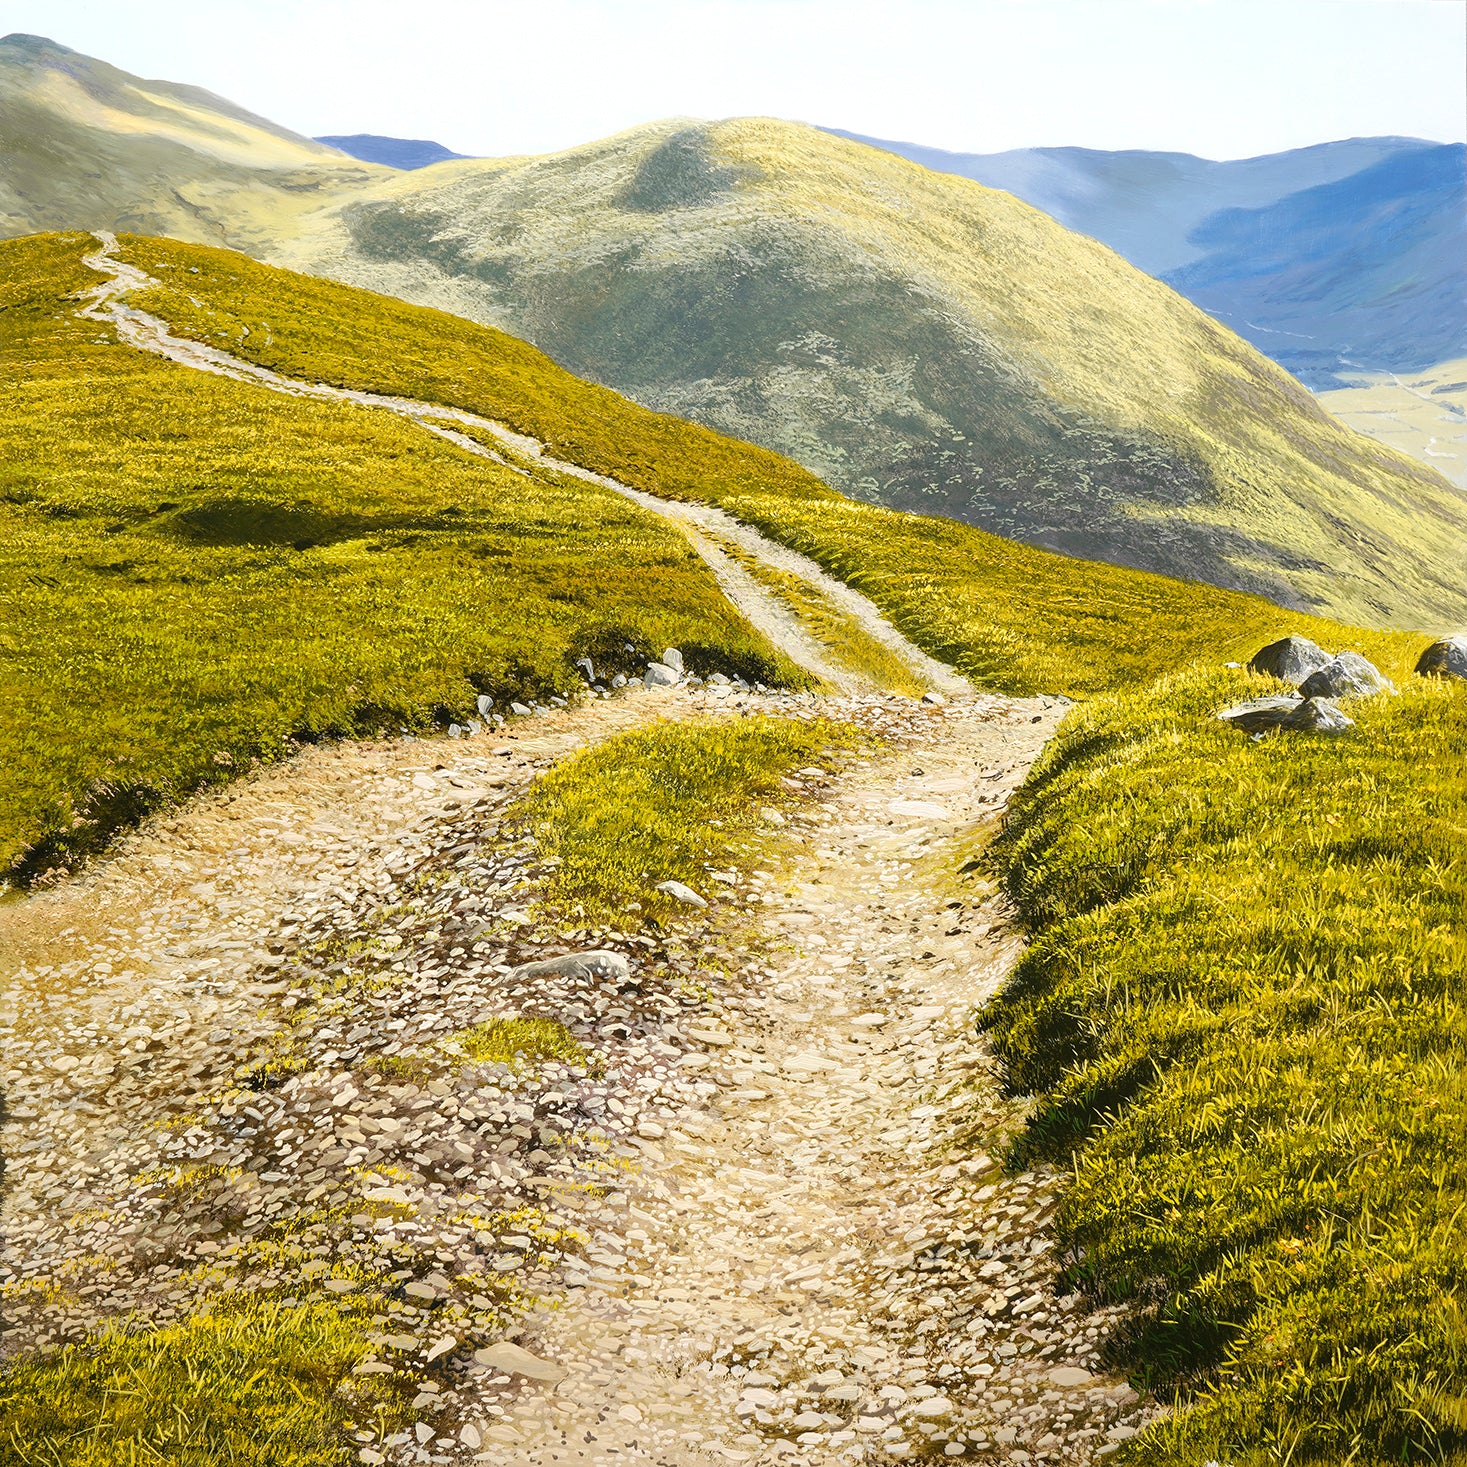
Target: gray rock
{"type": "Point", "coordinates": [619, 681]}
{"type": "Point", "coordinates": [520, 709]}
{"type": "Point", "coordinates": [933, 698]}
{"type": "Point", "coordinates": [659, 675]}
{"type": "Point", "coordinates": [587, 667]}
{"type": "Point", "coordinates": [1317, 715]}
{"type": "Point", "coordinates": [1346, 675]}
{"type": "Point", "coordinates": [680, 893]}
{"type": "Point", "coordinates": [486, 705]}
{"type": "Point", "coordinates": [602, 965]}
{"type": "Point", "coordinates": [674, 659]}
{"type": "Point", "coordinates": [1446, 658]}
{"type": "Point", "coordinates": [1292, 659]}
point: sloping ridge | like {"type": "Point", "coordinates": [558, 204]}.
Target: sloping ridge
{"type": "Point", "coordinates": [922, 342]}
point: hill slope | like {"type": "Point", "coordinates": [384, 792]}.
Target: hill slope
{"type": "Point", "coordinates": [1273, 246]}
{"type": "Point", "coordinates": [87, 146]}
{"type": "Point", "coordinates": [921, 342]}
{"type": "Point", "coordinates": [190, 561]}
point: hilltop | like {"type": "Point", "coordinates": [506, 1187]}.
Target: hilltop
{"type": "Point", "coordinates": [916, 340]}
{"type": "Point", "coordinates": [88, 146]}
{"type": "Point", "coordinates": [920, 342]}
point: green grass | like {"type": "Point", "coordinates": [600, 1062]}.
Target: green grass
{"type": "Point", "coordinates": [238, 1384]}
{"type": "Point", "coordinates": [195, 572]}
{"type": "Point", "coordinates": [665, 803]}
{"type": "Point", "coordinates": [520, 1042]}
{"type": "Point", "coordinates": [1242, 1012]}
{"type": "Point", "coordinates": [1011, 617]}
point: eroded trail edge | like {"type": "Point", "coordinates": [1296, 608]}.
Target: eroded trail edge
{"type": "Point", "coordinates": [107, 304]}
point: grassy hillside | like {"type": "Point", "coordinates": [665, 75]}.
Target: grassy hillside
{"type": "Point", "coordinates": [195, 572]}
{"type": "Point", "coordinates": [1012, 617]}
{"type": "Point", "coordinates": [90, 147]}
{"type": "Point", "coordinates": [922, 342]}
{"type": "Point", "coordinates": [1242, 1013]}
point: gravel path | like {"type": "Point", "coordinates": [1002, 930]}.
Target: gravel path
{"type": "Point", "coordinates": [741, 1231]}
{"type": "Point", "coordinates": [107, 304]}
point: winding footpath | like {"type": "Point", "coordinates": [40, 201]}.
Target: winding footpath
{"type": "Point", "coordinates": [758, 1221]}
{"type": "Point", "coordinates": [107, 304]}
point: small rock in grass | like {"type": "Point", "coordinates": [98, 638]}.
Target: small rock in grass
{"type": "Point", "coordinates": [1446, 658]}
{"type": "Point", "coordinates": [659, 675]}
{"type": "Point", "coordinates": [520, 710]}
{"type": "Point", "coordinates": [1310, 715]}
{"type": "Point", "coordinates": [1347, 675]}
{"type": "Point", "coordinates": [511, 1359]}
{"type": "Point", "coordinates": [599, 965]}
{"type": "Point", "coordinates": [680, 893]}
{"type": "Point", "coordinates": [674, 659]}
{"type": "Point", "coordinates": [587, 667]}
{"type": "Point", "coordinates": [1291, 659]}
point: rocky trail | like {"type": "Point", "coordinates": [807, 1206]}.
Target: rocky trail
{"type": "Point", "coordinates": [702, 524]}
{"type": "Point", "coordinates": [752, 1214]}
{"type": "Point", "coordinates": [737, 1229]}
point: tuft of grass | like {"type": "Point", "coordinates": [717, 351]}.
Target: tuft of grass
{"type": "Point", "coordinates": [196, 574]}
{"type": "Point", "coordinates": [1244, 1014]}
{"type": "Point", "coordinates": [663, 803]}
{"type": "Point", "coordinates": [520, 1042]}
{"type": "Point", "coordinates": [251, 1383]}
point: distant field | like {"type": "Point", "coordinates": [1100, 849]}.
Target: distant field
{"type": "Point", "coordinates": [1420, 413]}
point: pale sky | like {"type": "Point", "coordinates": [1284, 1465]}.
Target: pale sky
{"type": "Point", "coordinates": [1223, 78]}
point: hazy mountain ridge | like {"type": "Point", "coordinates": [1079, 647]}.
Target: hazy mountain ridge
{"type": "Point", "coordinates": [1344, 255]}
{"type": "Point", "coordinates": [405, 153]}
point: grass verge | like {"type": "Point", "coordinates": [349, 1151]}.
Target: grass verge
{"type": "Point", "coordinates": [665, 803]}
{"type": "Point", "coordinates": [251, 1383]}
{"type": "Point", "coordinates": [1243, 1014]}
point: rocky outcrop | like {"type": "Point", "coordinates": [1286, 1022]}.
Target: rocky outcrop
{"type": "Point", "coordinates": [1445, 658]}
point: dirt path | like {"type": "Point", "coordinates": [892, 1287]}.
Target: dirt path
{"type": "Point", "coordinates": [107, 305]}
{"type": "Point", "coordinates": [742, 1232]}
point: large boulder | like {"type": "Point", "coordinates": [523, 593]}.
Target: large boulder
{"type": "Point", "coordinates": [1291, 659]}
{"type": "Point", "coordinates": [1308, 715]}
{"type": "Point", "coordinates": [1446, 658]}
{"type": "Point", "coordinates": [1348, 675]}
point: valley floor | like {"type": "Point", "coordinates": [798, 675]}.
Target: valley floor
{"type": "Point", "coordinates": [739, 1232]}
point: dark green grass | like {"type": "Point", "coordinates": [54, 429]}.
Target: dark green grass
{"type": "Point", "coordinates": [1242, 1013]}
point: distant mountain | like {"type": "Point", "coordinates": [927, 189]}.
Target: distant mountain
{"type": "Point", "coordinates": [87, 146]}
{"type": "Point", "coordinates": [405, 153]}
{"type": "Point", "coordinates": [915, 339]}
{"type": "Point", "coordinates": [1348, 255]}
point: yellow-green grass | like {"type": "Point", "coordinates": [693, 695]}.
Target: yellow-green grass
{"type": "Point", "coordinates": [247, 1383]}
{"type": "Point", "coordinates": [194, 572]}
{"type": "Point", "coordinates": [1010, 616]}
{"type": "Point", "coordinates": [666, 803]}
{"type": "Point", "coordinates": [844, 640]}
{"type": "Point", "coordinates": [1242, 1013]}
{"type": "Point", "coordinates": [520, 1042]}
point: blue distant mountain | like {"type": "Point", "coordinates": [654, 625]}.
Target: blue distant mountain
{"type": "Point", "coordinates": [394, 152]}
{"type": "Point", "coordinates": [1346, 255]}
